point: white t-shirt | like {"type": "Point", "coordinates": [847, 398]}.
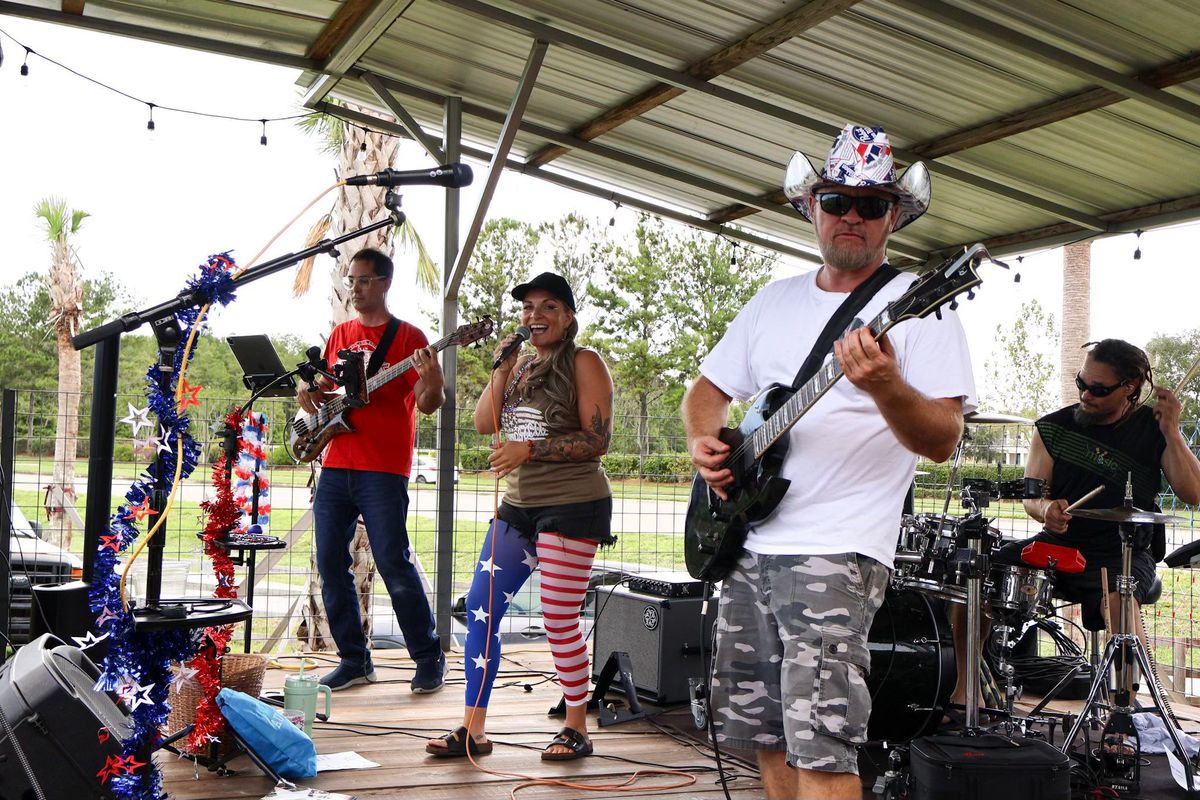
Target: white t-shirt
{"type": "Point", "coordinates": [849, 473]}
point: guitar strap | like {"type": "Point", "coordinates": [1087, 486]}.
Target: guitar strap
{"type": "Point", "coordinates": [853, 303]}
{"type": "Point", "coordinates": [385, 342]}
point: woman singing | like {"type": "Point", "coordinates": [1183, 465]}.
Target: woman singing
{"type": "Point", "coordinates": [555, 410]}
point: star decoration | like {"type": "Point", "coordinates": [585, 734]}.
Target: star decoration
{"type": "Point", "coordinates": [141, 511]}
{"type": "Point", "coordinates": [487, 565]}
{"type": "Point", "coordinates": [129, 764]}
{"type": "Point", "coordinates": [135, 694]}
{"type": "Point", "coordinates": [103, 735]}
{"type": "Point", "coordinates": [211, 738]}
{"type": "Point", "coordinates": [185, 676]}
{"type": "Point", "coordinates": [480, 662]}
{"type": "Point", "coordinates": [112, 766]}
{"type": "Point", "coordinates": [84, 642]}
{"type": "Point", "coordinates": [161, 442]}
{"type": "Point", "coordinates": [480, 614]}
{"type": "Point", "coordinates": [190, 399]}
{"type": "Point", "coordinates": [106, 614]}
{"type": "Point", "coordinates": [508, 597]}
{"type": "Point", "coordinates": [141, 446]}
{"type": "Point", "coordinates": [112, 541]}
{"type": "Point", "coordinates": [530, 561]}
{"type": "Point", "coordinates": [138, 418]}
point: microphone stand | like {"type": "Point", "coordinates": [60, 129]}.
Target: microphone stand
{"type": "Point", "coordinates": [107, 339]}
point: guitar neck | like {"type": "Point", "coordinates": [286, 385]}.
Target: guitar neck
{"type": "Point", "coordinates": [813, 389]}
{"type": "Point", "coordinates": [338, 404]}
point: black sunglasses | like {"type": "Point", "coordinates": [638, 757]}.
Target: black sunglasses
{"type": "Point", "coordinates": [1097, 389]}
{"type": "Point", "coordinates": [869, 206]}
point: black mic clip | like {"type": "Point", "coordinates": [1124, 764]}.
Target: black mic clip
{"type": "Point", "coordinates": [314, 366]}
{"type": "Point", "coordinates": [352, 373]}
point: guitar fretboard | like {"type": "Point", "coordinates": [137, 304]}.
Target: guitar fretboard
{"type": "Point", "coordinates": [813, 389]}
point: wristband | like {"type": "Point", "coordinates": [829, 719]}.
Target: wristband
{"type": "Point", "coordinates": [530, 441]}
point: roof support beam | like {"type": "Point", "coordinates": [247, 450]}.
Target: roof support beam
{"type": "Point", "coordinates": [508, 132]}
{"type": "Point", "coordinates": [353, 29]}
{"type": "Point", "coordinates": [589, 189]}
{"type": "Point", "coordinates": [685, 81]}
{"type": "Point", "coordinates": [729, 57]}
{"type": "Point", "coordinates": [222, 46]}
{"type": "Point", "coordinates": [984, 28]}
{"type": "Point", "coordinates": [73, 6]}
{"type": "Point", "coordinates": [406, 119]}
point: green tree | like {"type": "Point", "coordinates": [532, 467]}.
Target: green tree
{"type": "Point", "coordinates": [1172, 357]}
{"type": "Point", "coordinates": [1021, 370]}
{"type": "Point", "coordinates": [579, 249]}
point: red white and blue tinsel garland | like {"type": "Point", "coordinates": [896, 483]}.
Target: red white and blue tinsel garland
{"type": "Point", "coordinates": [251, 466]}
{"type": "Point", "coordinates": [138, 663]}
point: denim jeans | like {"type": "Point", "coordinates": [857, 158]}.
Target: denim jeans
{"type": "Point", "coordinates": [382, 500]}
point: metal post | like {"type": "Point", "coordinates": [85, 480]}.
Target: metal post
{"type": "Point", "coordinates": [447, 416]}
{"type": "Point", "coordinates": [8, 442]}
{"type": "Point", "coordinates": [100, 449]}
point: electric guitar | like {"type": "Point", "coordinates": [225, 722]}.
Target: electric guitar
{"type": "Point", "coordinates": [309, 433]}
{"type": "Point", "coordinates": [715, 530]}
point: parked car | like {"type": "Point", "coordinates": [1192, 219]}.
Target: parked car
{"type": "Point", "coordinates": [33, 561]}
{"type": "Point", "coordinates": [425, 470]}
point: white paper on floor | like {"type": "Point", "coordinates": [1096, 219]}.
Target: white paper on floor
{"type": "Point", "coordinates": [327, 762]}
{"type": "Point", "coordinates": [306, 794]}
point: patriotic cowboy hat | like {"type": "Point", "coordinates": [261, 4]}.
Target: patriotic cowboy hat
{"type": "Point", "coordinates": [860, 156]}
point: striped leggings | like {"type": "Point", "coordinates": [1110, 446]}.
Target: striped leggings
{"type": "Point", "coordinates": [499, 575]}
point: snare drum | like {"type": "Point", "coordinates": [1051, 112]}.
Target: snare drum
{"type": "Point", "coordinates": [1024, 591]}
{"type": "Point", "coordinates": [925, 558]}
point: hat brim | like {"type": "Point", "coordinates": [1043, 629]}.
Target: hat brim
{"type": "Point", "coordinates": [912, 189]}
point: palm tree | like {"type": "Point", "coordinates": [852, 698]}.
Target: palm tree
{"type": "Point", "coordinates": [357, 150]}
{"type": "Point", "coordinates": [66, 305]}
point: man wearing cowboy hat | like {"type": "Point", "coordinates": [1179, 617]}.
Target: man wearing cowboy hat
{"type": "Point", "coordinates": [791, 658]}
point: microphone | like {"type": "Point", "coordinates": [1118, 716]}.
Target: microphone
{"type": "Point", "coordinates": [452, 176]}
{"type": "Point", "coordinates": [522, 335]}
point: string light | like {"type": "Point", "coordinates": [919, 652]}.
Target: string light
{"type": "Point", "coordinates": [362, 148]}
{"type": "Point", "coordinates": [1137, 253]}
{"type": "Point", "coordinates": [1017, 276]}
{"type": "Point", "coordinates": [150, 123]}
{"type": "Point", "coordinates": [733, 255]}
{"type": "Point", "coordinates": [25, 63]}
{"type": "Point", "coordinates": [613, 219]}
{"type": "Point", "coordinates": [263, 139]}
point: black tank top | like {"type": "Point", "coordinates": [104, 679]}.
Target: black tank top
{"type": "Point", "coordinates": [1086, 456]}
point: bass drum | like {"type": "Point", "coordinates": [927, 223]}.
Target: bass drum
{"type": "Point", "coordinates": [912, 666]}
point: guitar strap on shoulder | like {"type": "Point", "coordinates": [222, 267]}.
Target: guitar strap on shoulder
{"type": "Point", "coordinates": [385, 343]}
{"type": "Point", "coordinates": [837, 323]}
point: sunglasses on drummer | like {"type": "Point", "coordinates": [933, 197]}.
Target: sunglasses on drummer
{"type": "Point", "coordinates": [1097, 389]}
{"type": "Point", "coordinates": [869, 206]}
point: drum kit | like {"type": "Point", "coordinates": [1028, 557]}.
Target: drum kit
{"type": "Point", "coordinates": [944, 559]}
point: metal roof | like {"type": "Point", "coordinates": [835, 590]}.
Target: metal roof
{"type": "Point", "coordinates": [1042, 122]}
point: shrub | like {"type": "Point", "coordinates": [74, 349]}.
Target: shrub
{"type": "Point", "coordinates": [474, 459]}
{"type": "Point", "coordinates": [620, 465]}
{"type": "Point", "coordinates": [667, 467]}
{"type": "Point", "coordinates": [280, 457]}
{"type": "Point", "coordinates": [123, 452]}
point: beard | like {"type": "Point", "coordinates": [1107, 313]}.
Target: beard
{"type": "Point", "coordinates": [852, 258]}
{"type": "Point", "coordinates": [1085, 419]}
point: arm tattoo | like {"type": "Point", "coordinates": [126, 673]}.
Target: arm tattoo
{"type": "Point", "coordinates": [582, 445]}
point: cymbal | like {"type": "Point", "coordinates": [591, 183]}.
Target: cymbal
{"type": "Point", "coordinates": [1122, 514]}
{"type": "Point", "coordinates": [995, 419]}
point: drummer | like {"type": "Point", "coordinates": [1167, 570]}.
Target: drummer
{"type": "Point", "coordinates": [1100, 440]}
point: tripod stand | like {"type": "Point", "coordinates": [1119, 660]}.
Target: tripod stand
{"type": "Point", "coordinates": [1123, 769]}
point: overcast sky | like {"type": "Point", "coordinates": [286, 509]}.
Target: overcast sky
{"type": "Point", "coordinates": [162, 201]}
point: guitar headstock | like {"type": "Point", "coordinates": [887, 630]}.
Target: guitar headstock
{"type": "Point", "coordinates": [472, 332]}
{"type": "Point", "coordinates": [955, 275]}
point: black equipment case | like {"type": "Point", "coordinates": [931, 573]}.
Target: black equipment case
{"type": "Point", "coordinates": [988, 767]}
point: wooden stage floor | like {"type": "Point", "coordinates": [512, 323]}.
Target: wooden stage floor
{"type": "Point", "coordinates": [385, 723]}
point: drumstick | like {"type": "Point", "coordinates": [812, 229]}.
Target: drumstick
{"type": "Point", "coordinates": [1085, 498]}
{"type": "Point", "coordinates": [1104, 601]}
{"type": "Point", "coordinates": [1188, 376]}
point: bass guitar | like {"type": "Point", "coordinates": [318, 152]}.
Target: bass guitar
{"type": "Point", "coordinates": [309, 433]}
{"type": "Point", "coordinates": [715, 530]}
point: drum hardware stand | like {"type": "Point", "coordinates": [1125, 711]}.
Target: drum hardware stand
{"type": "Point", "coordinates": [1120, 770]}
{"type": "Point", "coordinates": [974, 527]}
{"type": "Point", "coordinates": [893, 783]}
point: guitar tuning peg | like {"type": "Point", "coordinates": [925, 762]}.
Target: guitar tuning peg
{"type": "Point", "coordinates": [938, 313]}
{"type": "Point", "coordinates": [970, 294]}
{"type": "Point", "coordinates": [954, 305]}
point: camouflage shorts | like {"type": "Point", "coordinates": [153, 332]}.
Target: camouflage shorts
{"type": "Point", "coordinates": [792, 659]}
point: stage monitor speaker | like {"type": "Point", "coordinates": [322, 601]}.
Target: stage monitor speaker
{"type": "Point", "coordinates": [62, 609]}
{"type": "Point", "coordinates": [53, 717]}
{"type": "Point", "coordinates": [662, 636]}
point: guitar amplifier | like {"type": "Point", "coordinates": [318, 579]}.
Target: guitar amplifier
{"type": "Point", "coordinates": [662, 636]}
{"type": "Point", "coordinates": [666, 584]}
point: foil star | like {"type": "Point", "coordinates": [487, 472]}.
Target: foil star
{"type": "Point", "coordinates": [138, 418]}
{"type": "Point", "coordinates": [106, 614]}
{"type": "Point", "coordinates": [188, 395]}
{"type": "Point", "coordinates": [140, 512]}
{"type": "Point", "coordinates": [112, 541]}
{"type": "Point", "coordinates": [89, 640]}
{"type": "Point", "coordinates": [185, 676]}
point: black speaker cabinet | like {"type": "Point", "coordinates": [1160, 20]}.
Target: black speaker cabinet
{"type": "Point", "coordinates": [662, 636]}
{"type": "Point", "coordinates": [53, 717]}
{"type": "Point", "coordinates": [62, 609]}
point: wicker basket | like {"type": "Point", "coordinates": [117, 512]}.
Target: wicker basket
{"type": "Point", "coordinates": [241, 671]}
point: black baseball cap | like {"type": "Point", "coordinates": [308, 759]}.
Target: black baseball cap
{"type": "Point", "coordinates": [554, 284]}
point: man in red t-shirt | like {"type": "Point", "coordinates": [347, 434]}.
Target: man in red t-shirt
{"type": "Point", "coordinates": [365, 473]}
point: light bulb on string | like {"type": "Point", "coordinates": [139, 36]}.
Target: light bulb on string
{"type": "Point", "coordinates": [150, 122]}
{"type": "Point", "coordinates": [25, 64]}
{"type": "Point", "coordinates": [733, 255]}
{"type": "Point", "coordinates": [1017, 276]}
{"type": "Point", "coordinates": [263, 139]}
{"type": "Point", "coordinates": [1137, 253]}
{"type": "Point", "coordinates": [362, 148]}
{"type": "Point", "coordinates": [613, 219]}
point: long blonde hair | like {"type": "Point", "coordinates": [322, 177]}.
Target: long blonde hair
{"type": "Point", "coordinates": [556, 376]}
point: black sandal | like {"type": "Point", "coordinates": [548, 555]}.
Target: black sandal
{"type": "Point", "coordinates": [578, 744]}
{"type": "Point", "coordinates": [458, 741]}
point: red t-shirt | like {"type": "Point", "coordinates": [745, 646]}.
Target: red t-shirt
{"type": "Point", "coordinates": [384, 429]}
